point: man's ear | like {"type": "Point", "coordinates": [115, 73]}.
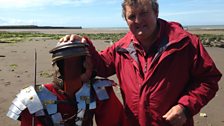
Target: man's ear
{"type": "Point", "coordinates": [156, 13]}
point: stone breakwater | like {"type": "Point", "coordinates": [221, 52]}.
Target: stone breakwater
{"type": "Point", "coordinates": [213, 43]}
{"type": "Point", "coordinates": [212, 40]}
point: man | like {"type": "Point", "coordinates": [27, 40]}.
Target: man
{"type": "Point", "coordinates": [73, 98]}
{"type": "Point", "coordinates": [165, 74]}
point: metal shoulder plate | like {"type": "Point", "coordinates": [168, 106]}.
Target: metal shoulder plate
{"type": "Point", "coordinates": [26, 98]}
{"type": "Point", "coordinates": [35, 100]}
{"type": "Point", "coordinates": [48, 99]}
{"type": "Point", "coordinates": [49, 102]}
{"type": "Point", "coordinates": [99, 87]}
{"type": "Point", "coordinates": [84, 96]}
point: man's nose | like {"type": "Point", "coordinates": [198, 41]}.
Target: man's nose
{"type": "Point", "coordinates": [138, 19]}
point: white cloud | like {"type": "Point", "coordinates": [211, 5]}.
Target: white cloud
{"type": "Point", "coordinates": [199, 17]}
{"type": "Point", "coordinates": [40, 3]}
{"type": "Point", "coordinates": [13, 21]}
{"type": "Point", "coordinates": [2, 21]}
{"type": "Point", "coordinates": [190, 12]}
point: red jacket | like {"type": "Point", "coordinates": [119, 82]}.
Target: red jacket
{"type": "Point", "coordinates": [178, 70]}
{"type": "Point", "coordinates": [107, 113]}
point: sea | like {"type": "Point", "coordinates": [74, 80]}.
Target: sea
{"type": "Point", "coordinates": [204, 27]}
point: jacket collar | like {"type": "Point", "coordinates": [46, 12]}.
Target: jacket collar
{"type": "Point", "coordinates": [171, 31]}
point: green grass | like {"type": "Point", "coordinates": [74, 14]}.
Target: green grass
{"type": "Point", "coordinates": [13, 37]}
{"type": "Point", "coordinates": [13, 66]}
{"type": "Point", "coordinates": [105, 36]}
{"type": "Point", "coordinates": [46, 74]}
{"type": "Point", "coordinates": [211, 37]}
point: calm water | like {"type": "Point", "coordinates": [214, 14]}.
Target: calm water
{"type": "Point", "coordinates": [205, 27]}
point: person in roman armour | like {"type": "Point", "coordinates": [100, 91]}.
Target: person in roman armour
{"type": "Point", "coordinates": [73, 98]}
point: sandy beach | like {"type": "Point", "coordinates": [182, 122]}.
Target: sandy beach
{"type": "Point", "coordinates": [17, 72]}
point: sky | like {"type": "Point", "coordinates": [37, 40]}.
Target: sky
{"type": "Point", "coordinates": [104, 13]}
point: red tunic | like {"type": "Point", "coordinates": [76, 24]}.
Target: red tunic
{"type": "Point", "coordinates": [107, 113]}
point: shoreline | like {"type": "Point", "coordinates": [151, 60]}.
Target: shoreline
{"type": "Point", "coordinates": [56, 30]}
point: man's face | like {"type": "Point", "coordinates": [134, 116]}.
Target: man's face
{"type": "Point", "coordinates": [142, 20]}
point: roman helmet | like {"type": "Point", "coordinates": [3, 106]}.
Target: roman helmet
{"type": "Point", "coordinates": [68, 59]}
{"type": "Point", "coordinates": [65, 50]}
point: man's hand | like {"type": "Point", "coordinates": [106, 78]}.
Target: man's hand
{"type": "Point", "coordinates": [71, 38]}
{"type": "Point", "coordinates": [176, 116]}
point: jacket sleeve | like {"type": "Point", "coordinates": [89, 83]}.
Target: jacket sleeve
{"type": "Point", "coordinates": [204, 77]}
{"type": "Point", "coordinates": [103, 61]}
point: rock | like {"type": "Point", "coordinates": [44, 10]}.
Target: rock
{"type": "Point", "coordinates": [203, 115]}
{"type": "Point", "coordinates": [222, 45]}
{"type": "Point", "coordinates": [14, 51]}
{"type": "Point", "coordinates": [7, 83]}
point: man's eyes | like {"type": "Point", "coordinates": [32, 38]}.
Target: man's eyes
{"type": "Point", "coordinates": [132, 16]}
